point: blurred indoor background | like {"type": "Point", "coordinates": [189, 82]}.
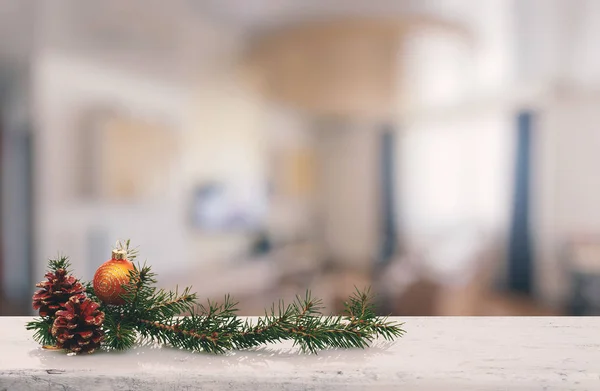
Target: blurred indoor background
{"type": "Point", "coordinates": [442, 152]}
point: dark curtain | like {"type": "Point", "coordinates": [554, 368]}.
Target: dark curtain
{"type": "Point", "coordinates": [520, 257]}
{"type": "Point", "coordinates": [17, 192]}
{"type": "Point", "coordinates": [389, 232]}
{"type": "Point", "coordinates": [1, 203]}
{"type": "Point", "coordinates": [388, 245]}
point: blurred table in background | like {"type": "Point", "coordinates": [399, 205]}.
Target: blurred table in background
{"type": "Point", "coordinates": [582, 261]}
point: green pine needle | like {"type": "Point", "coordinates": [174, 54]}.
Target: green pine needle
{"type": "Point", "coordinates": [60, 262]}
{"type": "Point", "coordinates": [152, 315]}
{"type": "Point", "coordinates": [42, 327]}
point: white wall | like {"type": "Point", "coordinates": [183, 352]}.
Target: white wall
{"type": "Point", "coordinates": [348, 155]}
{"type": "Point", "coordinates": [216, 125]}
{"type": "Point", "coordinates": [62, 88]}
{"type": "Point", "coordinates": [566, 194]}
{"type": "Point", "coordinates": [556, 41]}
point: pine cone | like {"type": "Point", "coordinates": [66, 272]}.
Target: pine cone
{"type": "Point", "coordinates": [55, 292]}
{"type": "Point", "coordinates": [77, 328]}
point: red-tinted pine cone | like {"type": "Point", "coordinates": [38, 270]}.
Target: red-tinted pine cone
{"type": "Point", "coordinates": [55, 292]}
{"type": "Point", "coordinates": [77, 327]}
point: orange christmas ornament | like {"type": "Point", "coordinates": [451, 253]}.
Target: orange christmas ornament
{"type": "Point", "coordinates": [110, 277]}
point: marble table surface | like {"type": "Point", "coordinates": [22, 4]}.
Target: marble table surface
{"type": "Point", "coordinates": [453, 353]}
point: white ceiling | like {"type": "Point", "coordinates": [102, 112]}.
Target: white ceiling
{"type": "Point", "coordinates": [166, 36]}
{"type": "Point", "coordinates": [160, 23]}
{"type": "Point", "coordinates": [251, 15]}
{"type": "Point", "coordinates": [156, 26]}
{"type": "Point", "coordinates": [548, 37]}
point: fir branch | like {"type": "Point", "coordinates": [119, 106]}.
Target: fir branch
{"type": "Point", "coordinates": [312, 332]}
{"type": "Point", "coordinates": [120, 321]}
{"type": "Point", "coordinates": [210, 328]}
{"type": "Point", "coordinates": [270, 328]}
{"type": "Point", "coordinates": [152, 315]}
{"type": "Point", "coordinates": [328, 332]}
{"type": "Point", "coordinates": [144, 305]}
{"type": "Point", "coordinates": [360, 313]}
{"type": "Point", "coordinates": [215, 328]}
{"type": "Point", "coordinates": [182, 333]}
{"type": "Point", "coordinates": [60, 262]}
{"type": "Point", "coordinates": [119, 333]}
{"type": "Point", "coordinates": [169, 304]}
{"type": "Point", "coordinates": [89, 291]}
{"type": "Point", "coordinates": [43, 330]}
{"type": "Point", "coordinates": [145, 301]}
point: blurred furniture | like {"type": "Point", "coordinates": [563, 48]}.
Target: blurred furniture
{"type": "Point", "coordinates": [583, 267]}
{"type": "Point", "coordinates": [458, 353]}
{"type": "Point", "coordinates": [455, 280]}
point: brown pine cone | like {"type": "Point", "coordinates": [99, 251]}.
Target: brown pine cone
{"type": "Point", "coordinates": [77, 328]}
{"type": "Point", "coordinates": [55, 292]}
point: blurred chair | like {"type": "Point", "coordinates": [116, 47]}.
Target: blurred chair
{"type": "Point", "coordinates": [458, 278]}
{"type": "Point", "coordinates": [582, 261]}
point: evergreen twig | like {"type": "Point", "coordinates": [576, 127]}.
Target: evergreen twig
{"type": "Point", "coordinates": [43, 330]}
{"type": "Point", "coordinates": [61, 262]}
{"type": "Point", "coordinates": [153, 315]}
{"type": "Point", "coordinates": [216, 328]}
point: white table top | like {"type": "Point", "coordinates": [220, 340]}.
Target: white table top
{"type": "Point", "coordinates": [436, 354]}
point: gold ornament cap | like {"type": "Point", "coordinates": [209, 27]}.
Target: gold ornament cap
{"type": "Point", "coordinates": [119, 254]}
